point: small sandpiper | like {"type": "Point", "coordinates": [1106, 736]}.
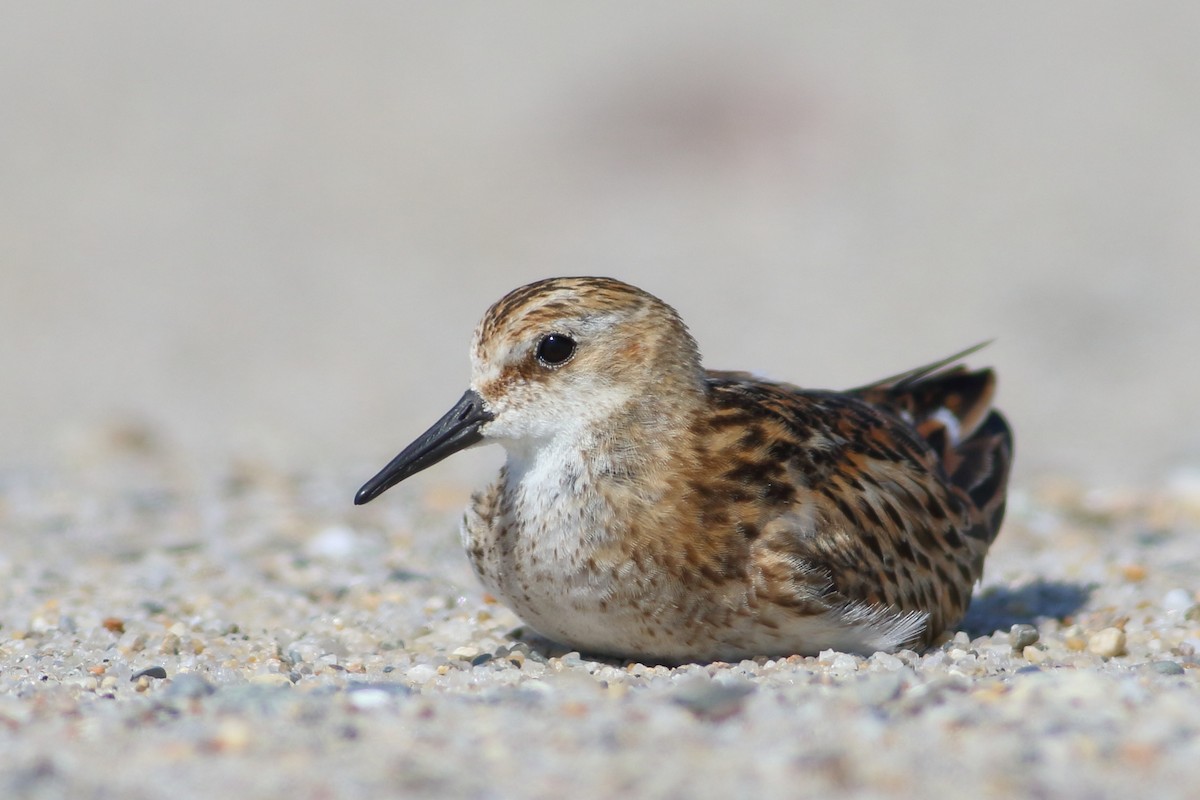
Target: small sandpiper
{"type": "Point", "coordinates": [651, 509]}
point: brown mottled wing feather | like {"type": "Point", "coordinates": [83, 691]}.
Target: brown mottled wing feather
{"type": "Point", "coordinates": [950, 408]}
{"type": "Point", "coordinates": [852, 496]}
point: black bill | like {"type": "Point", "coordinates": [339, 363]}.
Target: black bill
{"type": "Point", "coordinates": [457, 430]}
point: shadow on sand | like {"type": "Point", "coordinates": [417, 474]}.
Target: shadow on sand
{"type": "Point", "coordinates": [998, 608]}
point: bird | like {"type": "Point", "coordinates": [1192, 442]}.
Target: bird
{"type": "Point", "coordinates": [651, 509]}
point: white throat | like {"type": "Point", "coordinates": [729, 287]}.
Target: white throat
{"type": "Point", "coordinates": [552, 487]}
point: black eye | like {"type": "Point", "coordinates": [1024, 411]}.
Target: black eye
{"type": "Point", "coordinates": [555, 349]}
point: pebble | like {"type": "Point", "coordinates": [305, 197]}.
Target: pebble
{"type": "Point", "coordinates": [1133, 572]}
{"type": "Point", "coordinates": [837, 662]}
{"type": "Point", "coordinates": [1022, 635]}
{"type": "Point", "coordinates": [887, 661]}
{"type": "Point", "coordinates": [422, 673]}
{"type": "Point", "coordinates": [1107, 643]}
{"type": "Point", "coordinates": [1167, 667]}
{"type": "Point", "coordinates": [1033, 654]}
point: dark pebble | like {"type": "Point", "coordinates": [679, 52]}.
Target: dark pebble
{"type": "Point", "coordinates": [150, 672]}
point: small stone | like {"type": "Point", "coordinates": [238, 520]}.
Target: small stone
{"type": "Point", "coordinates": [886, 661]}
{"type": "Point", "coordinates": [420, 673]}
{"type": "Point", "coordinates": [1022, 635]}
{"type": "Point", "coordinates": [1107, 643]}
{"type": "Point", "coordinates": [1167, 667]}
{"type": "Point", "coordinates": [844, 662]}
{"type": "Point", "coordinates": [113, 625]}
{"type": "Point", "coordinates": [150, 672]}
{"type": "Point", "coordinates": [465, 653]}
{"type": "Point", "coordinates": [1033, 654]}
{"type": "Point", "coordinates": [134, 643]}
{"type": "Point", "coordinates": [531, 654]}
{"type": "Point", "coordinates": [1133, 572]}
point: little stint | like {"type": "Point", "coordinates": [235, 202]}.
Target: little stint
{"type": "Point", "coordinates": [651, 509]}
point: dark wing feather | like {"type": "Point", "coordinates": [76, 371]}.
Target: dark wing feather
{"type": "Point", "coordinates": [855, 486]}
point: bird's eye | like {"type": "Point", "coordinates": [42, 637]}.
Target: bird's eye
{"type": "Point", "coordinates": [555, 349]}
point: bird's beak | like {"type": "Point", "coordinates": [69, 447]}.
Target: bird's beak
{"type": "Point", "coordinates": [457, 430]}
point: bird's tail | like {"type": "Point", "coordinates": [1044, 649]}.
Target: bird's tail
{"type": "Point", "coordinates": [950, 408]}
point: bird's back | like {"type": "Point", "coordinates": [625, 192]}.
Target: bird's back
{"type": "Point", "coordinates": [883, 497]}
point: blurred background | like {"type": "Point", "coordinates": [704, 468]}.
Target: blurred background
{"type": "Point", "coordinates": [266, 230]}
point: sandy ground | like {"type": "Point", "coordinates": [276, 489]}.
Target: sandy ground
{"type": "Point", "coordinates": [243, 249]}
{"type": "Point", "coordinates": [244, 632]}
